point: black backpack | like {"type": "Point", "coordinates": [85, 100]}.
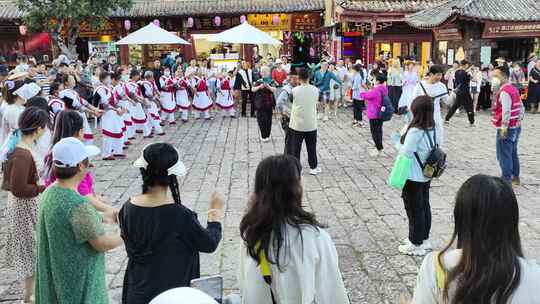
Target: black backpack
{"type": "Point", "coordinates": [436, 160]}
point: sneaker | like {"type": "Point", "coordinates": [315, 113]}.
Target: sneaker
{"type": "Point", "coordinates": [319, 116]}
{"type": "Point", "coordinates": [315, 171]}
{"type": "Point", "coordinates": [427, 246]}
{"type": "Point", "coordinates": [325, 118]}
{"type": "Point", "coordinates": [446, 123]}
{"type": "Point", "coordinates": [516, 181]}
{"type": "Point", "coordinates": [411, 249]}
{"type": "Point", "coordinates": [374, 153]}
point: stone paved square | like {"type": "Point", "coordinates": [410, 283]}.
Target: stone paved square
{"type": "Point", "coordinates": [365, 217]}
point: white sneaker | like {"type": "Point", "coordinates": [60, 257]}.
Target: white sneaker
{"type": "Point", "coordinates": [374, 153]}
{"type": "Point", "coordinates": [325, 118]}
{"type": "Point", "coordinates": [411, 249]}
{"type": "Point", "coordinates": [315, 171]}
{"type": "Point", "coordinates": [319, 116]}
{"type": "Point", "coordinates": [427, 246]}
{"type": "Point", "coordinates": [267, 139]}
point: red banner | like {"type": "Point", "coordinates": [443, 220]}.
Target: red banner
{"type": "Point", "coordinates": [447, 33]}
{"type": "Point", "coordinates": [514, 29]}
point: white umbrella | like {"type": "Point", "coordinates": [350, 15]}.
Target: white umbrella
{"type": "Point", "coordinates": [151, 34]}
{"type": "Point", "coordinates": [244, 34]}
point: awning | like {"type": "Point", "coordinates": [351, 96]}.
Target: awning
{"type": "Point", "coordinates": [244, 34]}
{"type": "Point", "coordinates": [151, 34]}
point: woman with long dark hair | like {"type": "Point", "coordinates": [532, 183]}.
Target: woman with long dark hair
{"type": "Point", "coordinates": [288, 241]}
{"type": "Point", "coordinates": [163, 238]}
{"type": "Point", "coordinates": [22, 183]}
{"type": "Point", "coordinates": [488, 265]}
{"type": "Point", "coordinates": [417, 143]}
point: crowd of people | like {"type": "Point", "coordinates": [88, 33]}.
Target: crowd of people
{"type": "Point", "coordinates": [55, 221]}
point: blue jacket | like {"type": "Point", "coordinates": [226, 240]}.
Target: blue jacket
{"type": "Point", "coordinates": [322, 80]}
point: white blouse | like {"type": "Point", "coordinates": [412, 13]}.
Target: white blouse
{"type": "Point", "coordinates": [427, 292]}
{"type": "Point", "coordinates": [310, 272]}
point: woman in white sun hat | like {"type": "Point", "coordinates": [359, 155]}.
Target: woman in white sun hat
{"type": "Point", "coordinates": [163, 238]}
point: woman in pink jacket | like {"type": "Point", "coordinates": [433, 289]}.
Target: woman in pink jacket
{"type": "Point", "coordinates": [374, 100]}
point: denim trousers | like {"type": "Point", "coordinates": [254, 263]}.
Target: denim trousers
{"type": "Point", "coordinates": [507, 153]}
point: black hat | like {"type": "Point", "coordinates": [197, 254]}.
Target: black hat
{"type": "Point", "coordinates": [4, 71]}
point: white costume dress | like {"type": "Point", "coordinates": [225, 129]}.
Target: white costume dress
{"type": "Point", "coordinates": [151, 92]}
{"type": "Point", "coordinates": [182, 98]}
{"type": "Point", "coordinates": [225, 98]}
{"type": "Point", "coordinates": [201, 101]}
{"type": "Point", "coordinates": [123, 102]}
{"type": "Point", "coordinates": [168, 105]}
{"type": "Point", "coordinates": [410, 80]}
{"type": "Point", "coordinates": [112, 124]}
{"type": "Point", "coordinates": [138, 115]}
{"type": "Point", "coordinates": [78, 104]}
{"type": "Point", "coordinates": [56, 105]}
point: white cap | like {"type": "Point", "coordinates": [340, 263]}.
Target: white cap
{"type": "Point", "coordinates": [27, 91]}
{"type": "Point", "coordinates": [69, 152]}
{"type": "Point", "coordinates": [358, 61]}
{"type": "Point", "coordinates": [183, 295]}
{"type": "Point", "coordinates": [278, 61]}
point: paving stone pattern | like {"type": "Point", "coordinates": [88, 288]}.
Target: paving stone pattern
{"type": "Point", "coordinates": [365, 217]}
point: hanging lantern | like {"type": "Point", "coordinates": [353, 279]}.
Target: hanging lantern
{"type": "Point", "coordinates": [127, 24]}
{"type": "Point", "coordinates": [275, 19]}
{"type": "Point", "coordinates": [156, 22]}
{"type": "Point", "coordinates": [189, 22]}
{"type": "Point", "coordinates": [312, 52]}
{"type": "Point", "coordinates": [243, 19]}
{"type": "Point", "coordinates": [217, 20]}
{"type": "Point", "coordinates": [23, 29]}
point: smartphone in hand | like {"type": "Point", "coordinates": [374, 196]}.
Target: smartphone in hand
{"type": "Point", "coordinates": [212, 286]}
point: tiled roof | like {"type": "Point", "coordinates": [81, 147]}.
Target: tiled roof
{"type": "Point", "coordinates": [151, 8]}
{"type": "Point", "coordinates": [387, 6]}
{"type": "Point", "coordinates": [495, 10]}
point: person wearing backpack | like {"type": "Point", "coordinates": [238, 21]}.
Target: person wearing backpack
{"type": "Point", "coordinates": [488, 265]}
{"type": "Point", "coordinates": [417, 144]}
{"type": "Point", "coordinates": [374, 99]}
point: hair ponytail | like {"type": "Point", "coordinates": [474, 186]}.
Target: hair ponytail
{"type": "Point", "coordinates": [175, 189]}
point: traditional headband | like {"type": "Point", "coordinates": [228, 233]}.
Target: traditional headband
{"type": "Point", "coordinates": [177, 169]}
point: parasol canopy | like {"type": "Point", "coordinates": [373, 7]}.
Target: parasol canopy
{"type": "Point", "coordinates": [151, 34]}
{"type": "Point", "coordinates": [244, 34]}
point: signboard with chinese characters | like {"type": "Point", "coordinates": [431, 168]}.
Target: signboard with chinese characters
{"type": "Point", "coordinates": [207, 23]}
{"type": "Point", "coordinates": [514, 29]}
{"type": "Point", "coordinates": [266, 22]}
{"type": "Point", "coordinates": [308, 22]}
{"type": "Point", "coordinates": [447, 34]}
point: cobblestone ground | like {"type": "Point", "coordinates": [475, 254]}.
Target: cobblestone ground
{"type": "Point", "coordinates": [364, 216]}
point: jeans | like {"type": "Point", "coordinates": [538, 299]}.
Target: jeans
{"type": "Point", "coordinates": [375, 125]}
{"type": "Point", "coordinates": [416, 200]}
{"type": "Point", "coordinates": [507, 153]}
{"type": "Point", "coordinates": [264, 119]}
{"type": "Point", "coordinates": [358, 107]}
{"type": "Point", "coordinates": [295, 145]}
{"type": "Point", "coordinates": [285, 125]}
{"type": "Point", "coordinates": [245, 96]}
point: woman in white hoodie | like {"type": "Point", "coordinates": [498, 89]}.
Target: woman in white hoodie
{"type": "Point", "coordinates": [290, 259]}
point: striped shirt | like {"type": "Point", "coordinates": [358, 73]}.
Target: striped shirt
{"type": "Point", "coordinates": [45, 85]}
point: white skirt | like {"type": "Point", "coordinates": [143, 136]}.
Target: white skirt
{"type": "Point", "coordinates": [182, 100]}
{"type": "Point", "coordinates": [167, 102]}
{"type": "Point", "coordinates": [201, 102]}
{"type": "Point", "coordinates": [112, 124]}
{"type": "Point", "coordinates": [124, 104]}
{"type": "Point", "coordinates": [406, 96]}
{"type": "Point", "coordinates": [225, 99]}
{"type": "Point", "coordinates": [153, 111]}
{"type": "Point", "coordinates": [137, 114]}
{"type": "Point", "coordinates": [88, 135]}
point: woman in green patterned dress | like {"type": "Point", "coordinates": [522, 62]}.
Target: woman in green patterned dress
{"type": "Point", "coordinates": [70, 236]}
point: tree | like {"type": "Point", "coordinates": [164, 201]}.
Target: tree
{"type": "Point", "coordinates": [56, 16]}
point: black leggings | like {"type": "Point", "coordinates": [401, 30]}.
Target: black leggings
{"type": "Point", "coordinates": [264, 119]}
{"type": "Point", "coordinates": [375, 126]}
{"type": "Point", "coordinates": [358, 107]}
{"type": "Point", "coordinates": [462, 100]}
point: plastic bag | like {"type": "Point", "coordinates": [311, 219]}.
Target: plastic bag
{"type": "Point", "coordinates": [400, 172]}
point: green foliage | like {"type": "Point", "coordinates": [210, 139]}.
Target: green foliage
{"type": "Point", "coordinates": [42, 14]}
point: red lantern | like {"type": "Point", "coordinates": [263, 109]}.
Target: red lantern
{"type": "Point", "coordinates": [189, 22]}
{"type": "Point", "coordinates": [127, 25]}
{"type": "Point", "coordinates": [23, 29]}
{"type": "Point", "coordinates": [217, 20]}
{"type": "Point", "coordinates": [156, 22]}
{"type": "Point", "coordinates": [275, 19]}
{"type": "Point", "coordinates": [242, 19]}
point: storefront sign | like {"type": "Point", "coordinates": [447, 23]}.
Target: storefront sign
{"type": "Point", "coordinates": [309, 22]}
{"type": "Point", "coordinates": [447, 34]}
{"type": "Point", "coordinates": [207, 23]}
{"type": "Point", "coordinates": [514, 29]}
{"type": "Point", "coordinates": [266, 22]}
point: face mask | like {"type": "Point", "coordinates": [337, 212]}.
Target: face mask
{"type": "Point", "coordinates": [167, 73]}
{"type": "Point", "coordinates": [125, 78]}
{"type": "Point", "coordinates": [495, 82]}
{"type": "Point", "coordinates": [108, 81]}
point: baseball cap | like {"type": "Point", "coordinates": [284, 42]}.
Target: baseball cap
{"type": "Point", "coordinates": [69, 152]}
{"type": "Point", "coordinates": [4, 71]}
{"type": "Point", "coordinates": [183, 295]}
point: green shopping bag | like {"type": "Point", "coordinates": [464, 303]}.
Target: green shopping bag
{"type": "Point", "coordinates": [400, 172]}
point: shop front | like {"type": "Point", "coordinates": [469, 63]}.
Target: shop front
{"type": "Point", "coordinates": [512, 41]}
{"type": "Point", "coordinates": [398, 40]}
